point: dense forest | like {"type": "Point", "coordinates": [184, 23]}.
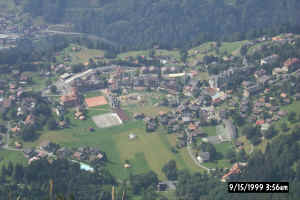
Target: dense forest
{"type": "Point", "coordinates": [64, 177]}
{"type": "Point", "coordinates": [171, 23]}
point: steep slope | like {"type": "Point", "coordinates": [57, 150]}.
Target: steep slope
{"type": "Point", "coordinates": [172, 23]}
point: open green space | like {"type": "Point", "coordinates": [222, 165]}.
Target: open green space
{"type": "Point", "coordinates": [93, 94]}
{"type": "Point", "coordinates": [294, 107]}
{"type": "Point", "coordinates": [210, 130]}
{"type": "Point", "coordinates": [82, 56]}
{"type": "Point", "coordinates": [253, 48]}
{"type": "Point", "coordinates": [39, 82]}
{"type": "Point", "coordinates": [147, 110]}
{"type": "Point", "coordinates": [209, 48]}
{"type": "Point", "coordinates": [221, 148]}
{"type": "Point", "coordinates": [232, 47]}
{"type": "Point", "coordinates": [147, 151]}
{"type": "Point", "coordinates": [220, 164]}
{"type": "Point", "coordinates": [13, 156]}
{"type": "Point", "coordinates": [170, 53]}
{"type": "Point", "coordinates": [133, 54]}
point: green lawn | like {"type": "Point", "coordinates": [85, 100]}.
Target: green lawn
{"type": "Point", "coordinates": [220, 164]}
{"type": "Point", "coordinates": [39, 82]}
{"type": "Point", "coordinates": [209, 49]}
{"type": "Point", "coordinates": [171, 53]}
{"type": "Point", "coordinates": [147, 110]}
{"type": "Point", "coordinates": [253, 48]}
{"type": "Point", "coordinates": [13, 156]}
{"type": "Point", "coordinates": [221, 148]}
{"type": "Point", "coordinates": [232, 47]}
{"type": "Point", "coordinates": [147, 151]}
{"type": "Point", "coordinates": [92, 94]}
{"type": "Point", "coordinates": [295, 107]}
{"type": "Point", "coordinates": [81, 56]}
{"type": "Point", "coordinates": [133, 54]}
{"type": "Point", "coordinates": [210, 130]}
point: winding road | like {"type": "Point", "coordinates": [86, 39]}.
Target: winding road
{"type": "Point", "coordinates": [189, 148]}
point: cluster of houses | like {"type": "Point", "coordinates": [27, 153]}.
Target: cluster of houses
{"type": "Point", "coordinates": [189, 115]}
{"type": "Point", "coordinates": [52, 151]}
{"type": "Point", "coordinates": [148, 77]}
{"type": "Point", "coordinates": [11, 29]}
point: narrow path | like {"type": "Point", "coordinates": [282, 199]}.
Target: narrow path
{"type": "Point", "coordinates": [189, 148]}
{"type": "Point", "coordinates": [5, 146]}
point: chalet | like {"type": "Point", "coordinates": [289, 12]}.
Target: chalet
{"type": "Point", "coordinates": [192, 127]}
{"type": "Point", "coordinates": [30, 119]}
{"type": "Point", "coordinates": [278, 70]}
{"type": "Point", "coordinates": [260, 122]}
{"type": "Point", "coordinates": [139, 116]}
{"type": "Point", "coordinates": [138, 82]}
{"type": "Point", "coordinates": [28, 153]}
{"type": "Point", "coordinates": [197, 133]}
{"type": "Point", "coordinates": [48, 146]}
{"type": "Point", "coordinates": [297, 96]}
{"type": "Point", "coordinates": [88, 84]}
{"type": "Point", "coordinates": [63, 152]}
{"type": "Point", "coordinates": [170, 70]}
{"type": "Point", "coordinates": [263, 80]}
{"type": "Point", "coordinates": [265, 127]}
{"type": "Point", "coordinates": [292, 64]}
{"type": "Point", "coordinates": [3, 84]}
{"type": "Point", "coordinates": [164, 120]}
{"type": "Point", "coordinates": [180, 143]}
{"type": "Point", "coordinates": [235, 169]}
{"type": "Point", "coordinates": [176, 128]}
{"type": "Point", "coordinates": [269, 60]}
{"type": "Point", "coordinates": [64, 76]}
{"type": "Point", "coordinates": [297, 73]}
{"type": "Point", "coordinates": [283, 95]}
{"type": "Point", "coordinates": [259, 73]}
{"type": "Point", "coordinates": [162, 187]}
{"type": "Point", "coordinates": [121, 113]}
{"type": "Point", "coordinates": [78, 155]}
{"type": "Point", "coordinates": [18, 145]}
{"type": "Point", "coordinates": [187, 119]}
{"type": "Point", "coordinates": [253, 90]}
{"type": "Point", "coordinates": [15, 129]}
{"type": "Point", "coordinates": [203, 157]}
{"type": "Point", "coordinates": [71, 99]}
{"type": "Point", "coordinates": [166, 185]}
{"type": "Point", "coordinates": [247, 84]}
{"type": "Point", "coordinates": [151, 125]}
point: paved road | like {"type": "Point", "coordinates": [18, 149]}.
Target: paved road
{"type": "Point", "coordinates": [195, 160]}
{"type": "Point", "coordinates": [189, 148]}
{"type": "Point", "coordinates": [80, 34]}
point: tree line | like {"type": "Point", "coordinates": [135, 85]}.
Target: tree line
{"type": "Point", "coordinates": [171, 23]}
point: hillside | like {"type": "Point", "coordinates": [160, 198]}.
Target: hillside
{"type": "Point", "coordinates": [176, 23]}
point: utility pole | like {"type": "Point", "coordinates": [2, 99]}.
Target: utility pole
{"type": "Point", "coordinates": [50, 189]}
{"type": "Point", "coordinates": [113, 193]}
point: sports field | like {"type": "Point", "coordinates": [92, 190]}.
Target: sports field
{"type": "Point", "coordinates": [107, 120]}
{"type": "Point", "coordinates": [149, 151]}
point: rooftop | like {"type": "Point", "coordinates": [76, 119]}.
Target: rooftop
{"type": "Point", "coordinates": [95, 101]}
